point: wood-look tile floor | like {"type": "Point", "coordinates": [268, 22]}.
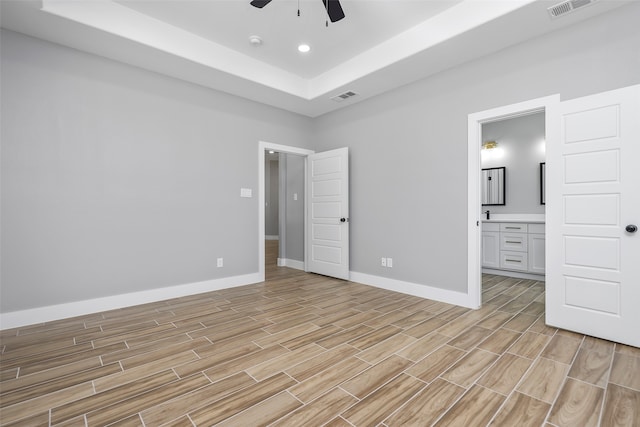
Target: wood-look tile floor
{"type": "Point", "coordinates": [306, 350]}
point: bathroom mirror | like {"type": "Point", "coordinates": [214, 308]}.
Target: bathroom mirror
{"type": "Point", "coordinates": [542, 183]}
{"type": "Point", "coordinates": [493, 185]}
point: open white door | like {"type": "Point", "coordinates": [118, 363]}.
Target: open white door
{"type": "Point", "coordinates": [327, 249]}
{"type": "Point", "coordinates": [593, 251]}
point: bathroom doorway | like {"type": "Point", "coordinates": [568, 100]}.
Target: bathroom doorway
{"type": "Point", "coordinates": [497, 125]}
{"type": "Point", "coordinates": [512, 157]}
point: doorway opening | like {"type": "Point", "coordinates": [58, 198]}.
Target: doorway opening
{"type": "Point", "coordinates": [273, 189]}
{"type": "Point", "coordinates": [476, 212]}
{"type": "Point", "coordinates": [263, 151]}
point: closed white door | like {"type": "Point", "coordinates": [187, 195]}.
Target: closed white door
{"type": "Point", "coordinates": [593, 205]}
{"type": "Point", "coordinates": [328, 213]}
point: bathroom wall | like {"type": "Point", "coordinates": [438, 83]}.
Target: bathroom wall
{"type": "Point", "coordinates": [521, 149]}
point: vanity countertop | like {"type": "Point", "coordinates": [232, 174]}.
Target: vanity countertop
{"type": "Point", "coordinates": [529, 221]}
{"type": "Point", "coordinates": [501, 217]}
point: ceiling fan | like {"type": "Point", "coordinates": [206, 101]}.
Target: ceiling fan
{"type": "Point", "coordinates": [334, 10]}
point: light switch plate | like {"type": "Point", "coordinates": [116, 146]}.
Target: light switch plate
{"type": "Point", "coordinates": [245, 192]}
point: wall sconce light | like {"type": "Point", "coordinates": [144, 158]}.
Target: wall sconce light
{"type": "Point", "coordinates": [489, 145]}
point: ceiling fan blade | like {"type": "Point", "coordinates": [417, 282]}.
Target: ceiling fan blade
{"type": "Point", "coordinates": [334, 10]}
{"type": "Point", "coordinates": [260, 3]}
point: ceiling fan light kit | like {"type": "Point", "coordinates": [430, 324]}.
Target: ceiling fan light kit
{"type": "Point", "coordinates": [333, 7]}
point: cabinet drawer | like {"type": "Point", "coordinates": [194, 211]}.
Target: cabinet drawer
{"type": "Point", "coordinates": [513, 242]}
{"type": "Point", "coordinates": [513, 227]}
{"type": "Point", "coordinates": [513, 261]}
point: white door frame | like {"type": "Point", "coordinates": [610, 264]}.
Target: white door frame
{"type": "Point", "coordinates": [262, 146]}
{"type": "Point", "coordinates": [549, 105]}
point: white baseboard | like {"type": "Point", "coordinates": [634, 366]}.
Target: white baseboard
{"type": "Point", "coordinates": [271, 237]}
{"type": "Point", "coordinates": [50, 313]}
{"type": "Point", "coordinates": [422, 291]}
{"type": "Point", "coordinates": [291, 263]}
{"type": "Point", "coordinates": [515, 274]}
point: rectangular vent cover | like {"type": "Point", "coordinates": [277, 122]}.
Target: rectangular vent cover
{"type": "Point", "coordinates": [569, 6]}
{"type": "Point", "coordinates": [343, 96]}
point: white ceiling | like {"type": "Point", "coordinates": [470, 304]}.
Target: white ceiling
{"type": "Point", "coordinates": [379, 45]}
{"type": "Point", "coordinates": [231, 22]}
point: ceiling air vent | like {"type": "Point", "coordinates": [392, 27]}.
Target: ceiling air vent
{"type": "Point", "coordinates": [343, 96]}
{"type": "Point", "coordinates": [567, 7]}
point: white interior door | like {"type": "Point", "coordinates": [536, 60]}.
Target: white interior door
{"type": "Point", "coordinates": [328, 213]}
{"type": "Point", "coordinates": [593, 178]}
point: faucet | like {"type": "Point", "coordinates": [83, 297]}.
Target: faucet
{"type": "Point", "coordinates": [488, 214]}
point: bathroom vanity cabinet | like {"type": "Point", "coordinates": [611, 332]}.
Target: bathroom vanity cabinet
{"type": "Point", "coordinates": [513, 246]}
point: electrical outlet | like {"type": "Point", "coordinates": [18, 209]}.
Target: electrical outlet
{"type": "Point", "coordinates": [383, 262]}
{"type": "Point", "coordinates": [390, 262]}
{"type": "Point", "coordinates": [220, 262]}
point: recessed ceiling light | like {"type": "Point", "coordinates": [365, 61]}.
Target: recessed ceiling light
{"type": "Point", "coordinates": [304, 48]}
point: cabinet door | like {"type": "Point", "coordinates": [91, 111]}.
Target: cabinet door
{"type": "Point", "coordinates": [491, 249]}
{"type": "Point", "coordinates": [536, 253]}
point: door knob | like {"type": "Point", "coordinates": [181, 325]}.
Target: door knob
{"type": "Point", "coordinates": [631, 228]}
{"type": "Point", "coordinates": [343, 220]}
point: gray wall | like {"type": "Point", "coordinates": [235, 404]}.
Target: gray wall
{"type": "Point", "coordinates": [408, 147]}
{"type": "Point", "coordinates": [271, 183]}
{"type": "Point", "coordinates": [117, 180]}
{"type": "Point", "coordinates": [521, 149]}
